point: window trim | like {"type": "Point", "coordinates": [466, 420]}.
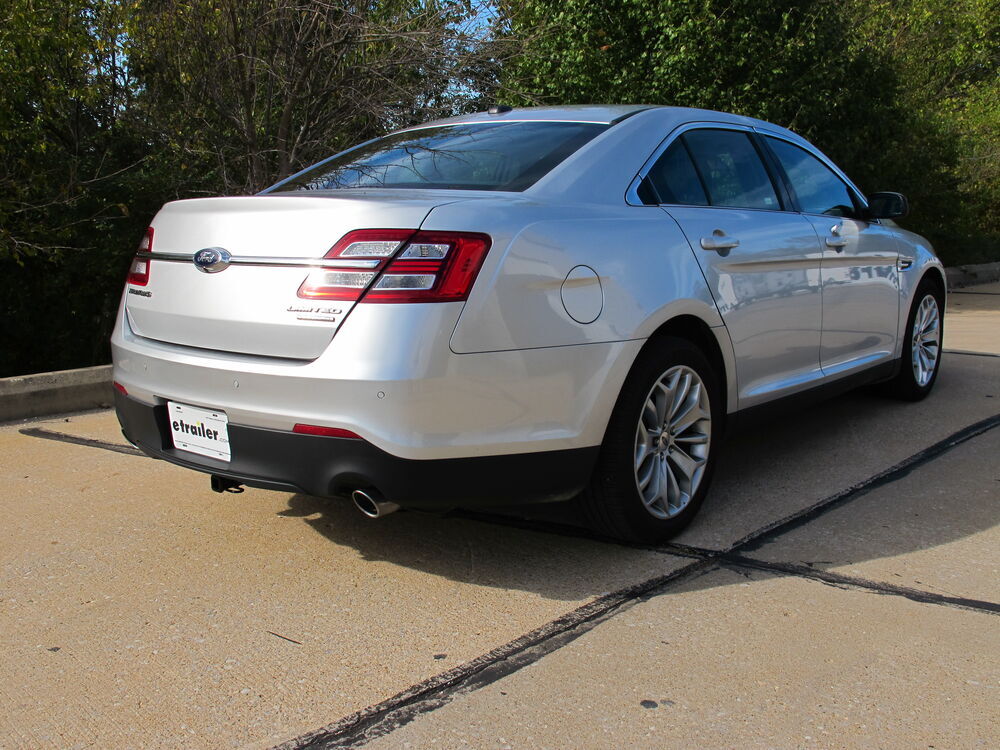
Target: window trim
{"type": "Point", "coordinates": [632, 194]}
{"type": "Point", "coordinates": [860, 202]}
{"type": "Point", "coordinates": [779, 179]}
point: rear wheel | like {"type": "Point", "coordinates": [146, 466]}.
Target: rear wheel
{"type": "Point", "coordinates": [922, 346]}
{"type": "Point", "coordinates": [659, 450]}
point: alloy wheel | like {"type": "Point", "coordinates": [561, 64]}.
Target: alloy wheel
{"type": "Point", "coordinates": [672, 440]}
{"type": "Point", "coordinates": [925, 346]}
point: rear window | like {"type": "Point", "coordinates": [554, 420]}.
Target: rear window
{"type": "Point", "coordinates": [474, 156]}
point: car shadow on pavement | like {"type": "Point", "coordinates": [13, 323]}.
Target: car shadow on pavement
{"type": "Point", "coordinates": [469, 551]}
{"type": "Point", "coordinates": [767, 474]}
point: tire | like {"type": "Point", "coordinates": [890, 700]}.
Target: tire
{"type": "Point", "coordinates": [921, 360]}
{"type": "Point", "coordinates": [621, 500]}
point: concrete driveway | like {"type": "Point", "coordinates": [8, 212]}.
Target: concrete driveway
{"type": "Point", "coordinates": [839, 589]}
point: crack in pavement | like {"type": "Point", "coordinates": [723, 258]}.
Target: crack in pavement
{"type": "Point", "coordinates": [383, 718]}
{"type": "Point", "coordinates": [735, 561]}
{"type": "Point", "coordinates": [63, 437]}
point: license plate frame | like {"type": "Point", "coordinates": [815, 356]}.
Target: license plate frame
{"type": "Point", "coordinates": [194, 429]}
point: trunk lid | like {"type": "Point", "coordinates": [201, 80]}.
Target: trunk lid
{"type": "Point", "coordinates": [252, 305]}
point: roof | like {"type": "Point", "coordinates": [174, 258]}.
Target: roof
{"type": "Point", "coordinates": [599, 113]}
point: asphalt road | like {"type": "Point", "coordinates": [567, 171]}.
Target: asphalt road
{"type": "Point", "coordinates": [839, 589]}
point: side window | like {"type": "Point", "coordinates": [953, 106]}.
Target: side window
{"type": "Point", "coordinates": [731, 168]}
{"type": "Point", "coordinates": [818, 188]}
{"type": "Point", "coordinates": [674, 178]}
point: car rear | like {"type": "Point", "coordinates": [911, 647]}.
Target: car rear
{"type": "Point", "coordinates": [299, 340]}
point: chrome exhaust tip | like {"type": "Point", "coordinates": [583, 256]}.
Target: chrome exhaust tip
{"type": "Point", "coordinates": [372, 504]}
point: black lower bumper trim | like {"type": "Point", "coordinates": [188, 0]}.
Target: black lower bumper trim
{"type": "Point", "coordinates": [329, 466]}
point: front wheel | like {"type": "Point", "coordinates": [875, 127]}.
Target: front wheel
{"type": "Point", "coordinates": [922, 345]}
{"type": "Point", "coordinates": [660, 447]}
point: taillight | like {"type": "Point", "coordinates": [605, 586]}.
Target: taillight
{"type": "Point", "coordinates": [138, 272]}
{"type": "Point", "coordinates": [356, 260]}
{"type": "Point", "coordinates": [399, 265]}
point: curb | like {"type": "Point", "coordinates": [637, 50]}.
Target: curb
{"type": "Point", "coordinates": [982, 273]}
{"type": "Point", "coordinates": [50, 393]}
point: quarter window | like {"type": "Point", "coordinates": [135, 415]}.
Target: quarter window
{"type": "Point", "coordinates": [731, 169]}
{"type": "Point", "coordinates": [818, 189]}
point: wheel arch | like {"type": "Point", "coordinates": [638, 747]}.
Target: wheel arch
{"type": "Point", "coordinates": [936, 276]}
{"type": "Point", "coordinates": [714, 343]}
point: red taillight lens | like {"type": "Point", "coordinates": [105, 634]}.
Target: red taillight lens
{"type": "Point", "coordinates": [355, 262]}
{"type": "Point", "coordinates": [433, 267]}
{"type": "Point", "coordinates": [315, 429]}
{"type": "Point", "coordinates": [399, 265]}
{"type": "Point", "coordinates": [138, 272]}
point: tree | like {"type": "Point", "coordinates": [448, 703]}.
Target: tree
{"type": "Point", "coordinates": [109, 108]}
{"type": "Point", "coordinates": [245, 92]}
{"type": "Point", "coordinates": [946, 57]}
{"type": "Point", "coordinates": [901, 93]}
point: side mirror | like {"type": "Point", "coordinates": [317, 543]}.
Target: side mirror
{"type": "Point", "coordinates": [887, 205]}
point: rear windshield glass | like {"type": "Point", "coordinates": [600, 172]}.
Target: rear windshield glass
{"type": "Point", "coordinates": [474, 156]}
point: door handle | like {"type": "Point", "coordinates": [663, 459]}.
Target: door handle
{"type": "Point", "coordinates": [835, 240]}
{"type": "Point", "coordinates": [719, 242]}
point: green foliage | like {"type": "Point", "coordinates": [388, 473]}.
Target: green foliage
{"type": "Point", "coordinates": [902, 93]}
{"type": "Point", "coordinates": [71, 193]}
{"type": "Point", "coordinates": [947, 57]}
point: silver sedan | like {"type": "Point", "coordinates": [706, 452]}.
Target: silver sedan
{"type": "Point", "coordinates": [520, 305]}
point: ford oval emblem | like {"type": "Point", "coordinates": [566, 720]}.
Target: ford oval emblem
{"type": "Point", "coordinates": [212, 259]}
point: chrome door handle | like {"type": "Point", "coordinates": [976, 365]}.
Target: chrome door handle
{"type": "Point", "coordinates": [836, 241]}
{"type": "Point", "coordinates": [719, 241]}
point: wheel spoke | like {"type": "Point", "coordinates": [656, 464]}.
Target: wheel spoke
{"type": "Point", "coordinates": [674, 493]}
{"type": "Point", "coordinates": [681, 390]}
{"type": "Point", "coordinates": [644, 475]}
{"type": "Point", "coordinates": [663, 397]}
{"type": "Point", "coordinates": [641, 452]}
{"type": "Point", "coordinates": [663, 483]}
{"type": "Point", "coordinates": [692, 438]}
{"type": "Point", "coordinates": [685, 464]}
{"type": "Point", "coordinates": [692, 414]}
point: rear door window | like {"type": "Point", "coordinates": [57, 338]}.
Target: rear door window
{"type": "Point", "coordinates": [731, 169]}
{"type": "Point", "coordinates": [818, 188]}
{"type": "Point", "coordinates": [674, 179]}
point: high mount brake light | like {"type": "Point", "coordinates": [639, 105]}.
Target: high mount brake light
{"type": "Point", "coordinates": [403, 265]}
{"type": "Point", "coordinates": [138, 272]}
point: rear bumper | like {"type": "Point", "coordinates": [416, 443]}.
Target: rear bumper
{"type": "Point", "coordinates": [328, 466]}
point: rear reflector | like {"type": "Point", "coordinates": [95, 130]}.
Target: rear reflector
{"type": "Point", "coordinates": [120, 388]}
{"type": "Point", "coordinates": [313, 429]}
{"type": "Point", "coordinates": [404, 266]}
{"type": "Point", "coordinates": [138, 272]}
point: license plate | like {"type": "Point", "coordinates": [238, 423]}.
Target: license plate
{"type": "Point", "coordinates": [200, 431]}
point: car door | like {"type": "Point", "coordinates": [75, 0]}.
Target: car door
{"type": "Point", "coordinates": [761, 263]}
{"type": "Point", "coordinates": [859, 272]}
